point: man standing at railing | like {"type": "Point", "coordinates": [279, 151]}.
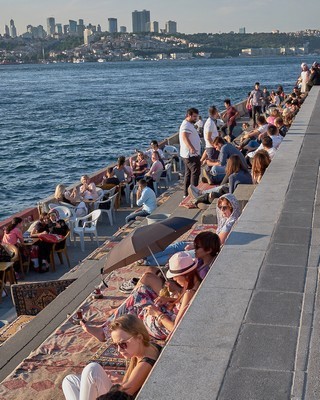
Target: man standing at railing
{"type": "Point", "coordinates": [190, 149]}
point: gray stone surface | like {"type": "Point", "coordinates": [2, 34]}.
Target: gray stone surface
{"type": "Point", "coordinates": [275, 308]}
{"type": "Point", "coordinates": [249, 384]}
{"type": "Point", "coordinates": [265, 347]}
{"type": "Point", "coordinates": [292, 235]}
{"type": "Point", "coordinates": [298, 220]}
{"type": "Point", "coordinates": [287, 254]}
{"type": "Point", "coordinates": [282, 278]}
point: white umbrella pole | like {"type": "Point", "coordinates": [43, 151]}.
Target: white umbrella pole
{"type": "Point", "coordinates": [165, 278]}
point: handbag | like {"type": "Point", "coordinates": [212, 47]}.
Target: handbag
{"type": "Point", "coordinates": [50, 238]}
{"type": "Point", "coordinates": [5, 256]}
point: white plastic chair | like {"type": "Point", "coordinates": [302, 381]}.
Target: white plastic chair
{"type": "Point", "coordinates": [166, 175]}
{"type": "Point", "coordinates": [128, 188]}
{"type": "Point", "coordinates": [110, 192]}
{"type": "Point", "coordinates": [89, 227]}
{"type": "Point", "coordinates": [156, 180]}
{"type": "Point", "coordinates": [63, 211]}
{"type": "Point", "coordinates": [170, 151]}
{"type": "Point", "coordinates": [111, 211]}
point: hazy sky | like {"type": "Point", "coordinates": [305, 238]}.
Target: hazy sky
{"type": "Point", "coordinates": [191, 16]}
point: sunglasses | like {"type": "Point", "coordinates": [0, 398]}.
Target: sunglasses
{"type": "Point", "coordinates": [124, 344]}
{"type": "Point", "coordinates": [224, 208]}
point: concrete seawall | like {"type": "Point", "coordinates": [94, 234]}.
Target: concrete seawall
{"type": "Point", "coordinates": [252, 330]}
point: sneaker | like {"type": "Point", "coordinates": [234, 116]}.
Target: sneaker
{"type": "Point", "coordinates": [128, 286]}
{"type": "Point", "coordinates": [206, 176]}
{"type": "Point", "coordinates": [194, 192]}
{"type": "Point", "coordinates": [203, 206]}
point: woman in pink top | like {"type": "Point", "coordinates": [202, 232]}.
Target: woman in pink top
{"type": "Point", "coordinates": [12, 233]}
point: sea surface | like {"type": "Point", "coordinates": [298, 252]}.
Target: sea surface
{"type": "Point", "coordinates": [59, 121]}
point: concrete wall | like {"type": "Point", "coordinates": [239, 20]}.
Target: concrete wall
{"type": "Point", "coordinates": [193, 365]}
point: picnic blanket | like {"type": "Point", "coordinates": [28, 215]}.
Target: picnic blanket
{"type": "Point", "coordinates": [187, 202]}
{"type": "Point", "coordinates": [68, 349]}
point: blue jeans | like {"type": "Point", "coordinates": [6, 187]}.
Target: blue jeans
{"type": "Point", "coordinates": [132, 216]}
{"type": "Point", "coordinates": [163, 256]}
{"type": "Point", "coordinates": [218, 172]}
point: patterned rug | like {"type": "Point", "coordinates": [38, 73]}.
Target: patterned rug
{"type": "Point", "coordinates": [31, 298]}
{"type": "Point", "coordinates": [11, 329]}
{"type": "Point", "coordinates": [68, 349]}
{"type": "Point", "coordinates": [187, 202]}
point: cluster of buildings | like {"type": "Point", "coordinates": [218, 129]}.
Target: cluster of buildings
{"type": "Point", "coordinates": [276, 51]}
{"type": "Point", "coordinates": [141, 23]}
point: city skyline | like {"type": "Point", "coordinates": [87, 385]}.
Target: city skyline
{"type": "Point", "coordinates": [204, 16]}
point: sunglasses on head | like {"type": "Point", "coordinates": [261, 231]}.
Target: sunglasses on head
{"type": "Point", "coordinates": [124, 344]}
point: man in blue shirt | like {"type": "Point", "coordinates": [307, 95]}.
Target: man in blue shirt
{"type": "Point", "coordinates": [145, 198]}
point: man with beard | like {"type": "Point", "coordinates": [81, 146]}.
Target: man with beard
{"type": "Point", "coordinates": [190, 149]}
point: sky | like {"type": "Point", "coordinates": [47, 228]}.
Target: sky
{"type": "Point", "coordinates": [210, 16]}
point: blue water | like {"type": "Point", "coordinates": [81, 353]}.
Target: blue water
{"type": "Point", "coordinates": [59, 121]}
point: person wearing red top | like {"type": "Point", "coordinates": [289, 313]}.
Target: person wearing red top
{"type": "Point", "coordinates": [230, 115]}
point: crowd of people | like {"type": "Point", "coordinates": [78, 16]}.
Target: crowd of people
{"type": "Point", "coordinates": [156, 303]}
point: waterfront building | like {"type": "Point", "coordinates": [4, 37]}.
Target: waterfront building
{"type": "Point", "coordinates": [140, 19]}
{"type": "Point", "coordinates": [171, 27]}
{"type": "Point", "coordinates": [65, 29]}
{"type": "Point", "coordinates": [154, 27]}
{"type": "Point", "coordinates": [6, 30]}
{"type": "Point", "coordinates": [113, 25]}
{"type": "Point", "coordinates": [72, 27]}
{"type": "Point", "coordinates": [123, 29]}
{"type": "Point", "coordinates": [87, 36]}
{"type": "Point", "coordinates": [242, 30]}
{"type": "Point", "coordinates": [51, 25]}
{"type": "Point", "coordinates": [59, 29]}
{"type": "Point", "coordinates": [13, 29]}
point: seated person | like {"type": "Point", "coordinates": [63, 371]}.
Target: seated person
{"type": "Point", "coordinates": [145, 198]}
{"type": "Point", "coordinates": [160, 313]}
{"type": "Point", "coordinates": [61, 194]}
{"type": "Point", "coordinates": [273, 133]}
{"type": "Point", "coordinates": [236, 173]}
{"type": "Point", "coordinates": [251, 137]}
{"type": "Point", "coordinates": [157, 165]}
{"type": "Point", "coordinates": [245, 129]}
{"type": "Point", "coordinates": [217, 172]}
{"type": "Point", "coordinates": [121, 171]}
{"type": "Point", "coordinates": [228, 211]}
{"type": "Point", "coordinates": [275, 113]}
{"type": "Point", "coordinates": [13, 235]}
{"type": "Point", "coordinates": [267, 145]}
{"type": "Point", "coordinates": [130, 336]}
{"type": "Point", "coordinates": [260, 163]}
{"type": "Point", "coordinates": [60, 228]}
{"type": "Point", "coordinates": [88, 189]}
{"type": "Point", "coordinates": [109, 178]}
{"type": "Point", "coordinates": [154, 147]}
{"type": "Point", "coordinates": [139, 166]}
{"type": "Point", "coordinates": [281, 126]}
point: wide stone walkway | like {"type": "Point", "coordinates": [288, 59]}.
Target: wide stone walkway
{"type": "Point", "coordinates": [253, 330]}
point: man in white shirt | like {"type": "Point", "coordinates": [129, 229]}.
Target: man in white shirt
{"type": "Point", "coordinates": [154, 147]}
{"type": "Point", "coordinates": [210, 132]}
{"type": "Point", "coordinates": [145, 198]}
{"type": "Point", "coordinates": [190, 149]}
{"type": "Point", "coordinates": [267, 145]}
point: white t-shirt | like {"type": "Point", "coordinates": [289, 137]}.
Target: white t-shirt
{"type": "Point", "coordinates": [210, 126]}
{"type": "Point", "coordinates": [271, 152]}
{"type": "Point", "coordinates": [193, 136]}
{"type": "Point", "coordinates": [263, 128]}
{"type": "Point", "coordinates": [276, 141]}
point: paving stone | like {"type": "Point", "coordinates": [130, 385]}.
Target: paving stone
{"type": "Point", "coordinates": [299, 220]}
{"type": "Point", "coordinates": [266, 347]}
{"type": "Point", "coordinates": [248, 384]}
{"type": "Point", "coordinates": [286, 254]}
{"type": "Point", "coordinates": [287, 235]}
{"type": "Point", "coordinates": [275, 308]}
{"type": "Point", "coordinates": [297, 194]}
{"type": "Point", "coordinates": [282, 278]}
{"type": "Point", "coordinates": [250, 235]}
{"type": "Point", "coordinates": [298, 206]}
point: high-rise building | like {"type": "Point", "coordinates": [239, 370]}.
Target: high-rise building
{"type": "Point", "coordinates": [65, 29]}
{"type": "Point", "coordinates": [99, 30]}
{"type": "Point", "coordinates": [140, 19]}
{"type": "Point", "coordinates": [13, 30]}
{"type": "Point", "coordinates": [123, 29]}
{"type": "Point", "coordinates": [171, 27]}
{"type": "Point", "coordinates": [6, 30]}
{"type": "Point", "coordinates": [242, 30]}
{"type": "Point", "coordinates": [51, 25]}
{"type": "Point", "coordinates": [113, 25]}
{"type": "Point", "coordinates": [59, 29]}
{"type": "Point", "coordinates": [72, 26]}
{"type": "Point", "coordinates": [87, 36]}
{"type": "Point", "coordinates": [80, 27]}
{"type": "Point", "coordinates": [154, 26]}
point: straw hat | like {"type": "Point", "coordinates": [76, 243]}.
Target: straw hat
{"type": "Point", "coordinates": [180, 264]}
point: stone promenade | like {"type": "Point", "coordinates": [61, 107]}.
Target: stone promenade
{"type": "Point", "coordinates": [253, 330]}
